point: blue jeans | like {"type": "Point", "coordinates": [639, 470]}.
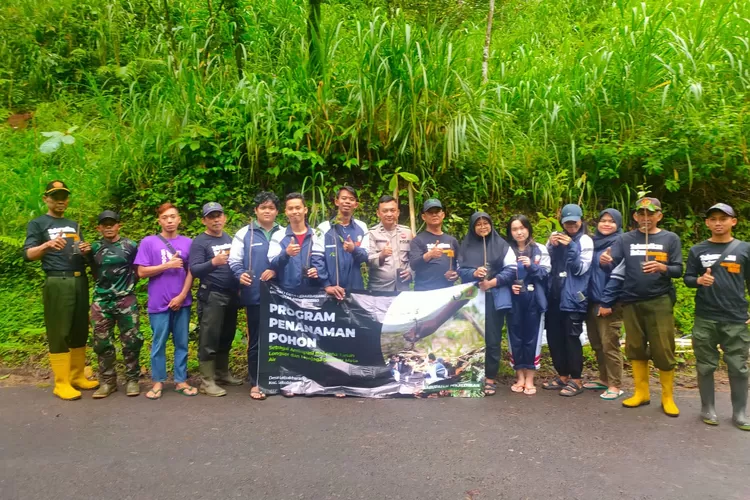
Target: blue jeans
{"type": "Point", "coordinates": [178, 323]}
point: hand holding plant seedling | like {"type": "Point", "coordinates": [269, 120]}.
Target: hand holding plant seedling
{"type": "Point", "coordinates": [57, 244]}
{"type": "Point", "coordinates": [480, 272]}
{"type": "Point", "coordinates": [349, 245]}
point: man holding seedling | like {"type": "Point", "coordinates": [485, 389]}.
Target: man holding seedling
{"type": "Point", "coordinates": [342, 240]}
{"type": "Point", "coordinates": [115, 303]}
{"type": "Point", "coordinates": [219, 300]}
{"type": "Point", "coordinates": [249, 262]}
{"type": "Point", "coordinates": [434, 253]}
{"type": "Point", "coordinates": [387, 246]}
{"type": "Point", "coordinates": [58, 243]}
{"type": "Point", "coordinates": [720, 269]}
{"type": "Point", "coordinates": [645, 262]}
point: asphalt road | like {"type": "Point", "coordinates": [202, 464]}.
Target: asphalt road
{"type": "Point", "coordinates": [505, 447]}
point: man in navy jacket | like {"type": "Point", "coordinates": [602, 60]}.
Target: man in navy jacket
{"type": "Point", "coordinates": [342, 240]}
{"type": "Point", "coordinates": [248, 260]}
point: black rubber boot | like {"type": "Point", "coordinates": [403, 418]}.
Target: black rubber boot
{"type": "Point", "coordinates": [208, 383]}
{"type": "Point", "coordinates": [223, 375]}
{"type": "Point", "coordinates": [738, 386]}
{"type": "Point", "coordinates": [708, 408]}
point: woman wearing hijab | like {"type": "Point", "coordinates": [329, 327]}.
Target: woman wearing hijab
{"type": "Point", "coordinates": [571, 252]}
{"type": "Point", "coordinates": [526, 319]}
{"type": "Point", "coordinates": [604, 329]}
{"type": "Point", "coordinates": [485, 257]}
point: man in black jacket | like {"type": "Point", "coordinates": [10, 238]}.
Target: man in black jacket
{"type": "Point", "coordinates": [720, 269]}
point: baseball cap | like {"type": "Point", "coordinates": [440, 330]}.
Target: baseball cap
{"type": "Point", "coordinates": [722, 207]}
{"type": "Point", "coordinates": [650, 204]}
{"type": "Point", "coordinates": [431, 203]}
{"type": "Point", "coordinates": [54, 187]}
{"type": "Point", "coordinates": [109, 214]}
{"type": "Point", "coordinates": [571, 213]}
{"type": "Point", "coordinates": [212, 207]}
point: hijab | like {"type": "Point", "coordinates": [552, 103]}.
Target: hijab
{"type": "Point", "coordinates": [601, 241]}
{"type": "Point", "coordinates": [471, 253]}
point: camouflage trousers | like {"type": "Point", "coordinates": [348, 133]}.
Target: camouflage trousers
{"type": "Point", "coordinates": [123, 312]}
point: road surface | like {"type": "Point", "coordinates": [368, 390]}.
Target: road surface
{"type": "Point", "coordinates": [505, 447]}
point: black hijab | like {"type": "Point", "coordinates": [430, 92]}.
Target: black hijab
{"type": "Point", "coordinates": [471, 253]}
{"type": "Point", "coordinates": [602, 242]}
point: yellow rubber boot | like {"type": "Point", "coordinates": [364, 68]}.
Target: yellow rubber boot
{"type": "Point", "coordinates": [77, 365]}
{"type": "Point", "coordinates": [640, 377]}
{"type": "Point", "coordinates": [667, 387]}
{"type": "Point", "coordinates": [60, 364]}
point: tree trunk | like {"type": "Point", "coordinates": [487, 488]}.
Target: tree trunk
{"type": "Point", "coordinates": [487, 41]}
{"type": "Point", "coordinates": [313, 37]}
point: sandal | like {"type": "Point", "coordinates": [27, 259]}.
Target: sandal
{"type": "Point", "coordinates": [517, 388]}
{"type": "Point", "coordinates": [490, 388]}
{"type": "Point", "coordinates": [571, 389]}
{"type": "Point", "coordinates": [611, 395]}
{"type": "Point", "coordinates": [529, 391]}
{"type": "Point", "coordinates": [554, 385]}
{"type": "Point", "coordinates": [256, 394]}
{"type": "Point", "coordinates": [154, 394]}
{"type": "Point", "coordinates": [595, 386]}
{"type": "Point", "coordinates": [186, 391]}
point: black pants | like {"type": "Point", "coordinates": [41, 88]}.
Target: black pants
{"type": "Point", "coordinates": [218, 323]}
{"type": "Point", "coordinates": [494, 320]}
{"type": "Point", "coordinates": [253, 334]}
{"type": "Point", "coordinates": [563, 337]}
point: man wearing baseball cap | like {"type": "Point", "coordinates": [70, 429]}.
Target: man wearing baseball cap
{"type": "Point", "coordinates": [720, 269]}
{"type": "Point", "coordinates": [218, 298]}
{"type": "Point", "coordinates": [115, 303]}
{"type": "Point", "coordinates": [645, 261]}
{"type": "Point", "coordinates": [433, 253]}
{"type": "Point", "coordinates": [58, 243]}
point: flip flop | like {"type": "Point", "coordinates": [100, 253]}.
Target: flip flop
{"type": "Point", "coordinates": [156, 394]}
{"type": "Point", "coordinates": [185, 391]}
{"type": "Point", "coordinates": [595, 386]}
{"type": "Point", "coordinates": [529, 391]}
{"type": "Point", "coordinates": [611, 395]}
{"type": "Point", "coordinates": [571, 389]}
{"type": "Point", "coordinates": [516, 388]}
{"type": "Point", "coordinates": [257, 395]}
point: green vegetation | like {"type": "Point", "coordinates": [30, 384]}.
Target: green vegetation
{"type": "Point", "coordinates": [198, 100]}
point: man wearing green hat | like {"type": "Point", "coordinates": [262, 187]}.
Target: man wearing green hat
{"type": "Point", "coordinates": [720, 269]}
{"type": "Point", "coordinates": [645, 261]}
{"type": "Point", "coordinates": [115, 303]}
{"type": "Point", "coordinates": [58, 243]}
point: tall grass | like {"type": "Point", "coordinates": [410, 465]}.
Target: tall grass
{"type": "Point", "coordinates": [585, 100]}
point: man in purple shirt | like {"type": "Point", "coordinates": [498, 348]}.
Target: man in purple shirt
{"type": "Point", "coordinates": [163, 258]}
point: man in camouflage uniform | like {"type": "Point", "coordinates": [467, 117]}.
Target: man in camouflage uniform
{"type": "Point", "coordinates": [115, 302]}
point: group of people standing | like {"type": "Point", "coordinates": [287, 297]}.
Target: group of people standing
{"type": "Point", "coordinates": [603, 280]}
